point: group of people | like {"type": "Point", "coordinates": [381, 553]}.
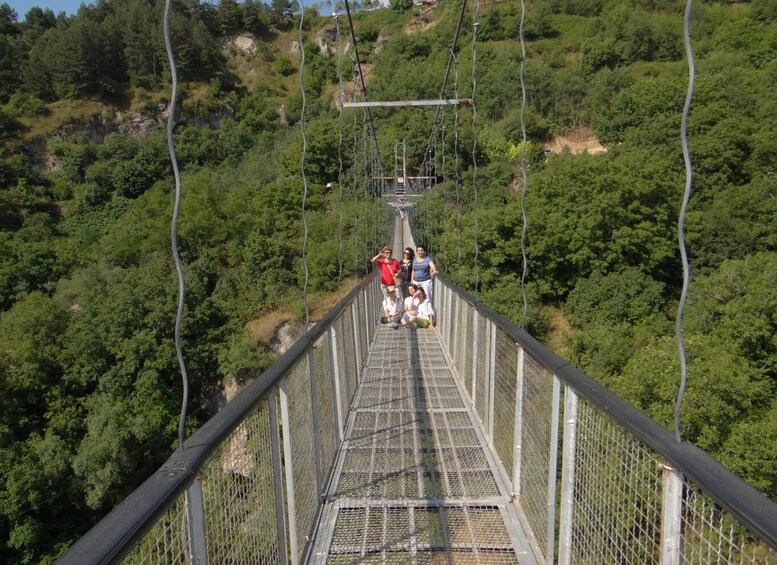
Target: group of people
{"type": "Point", "coordinates": [407, 287]}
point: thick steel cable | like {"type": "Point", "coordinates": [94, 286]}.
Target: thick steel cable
{"type": "Point", "coordinates": [475, 8]}
{"type": "Point", "coordinates": [340, 95]}
{"type": "Point", "coordinates": [525, 263]}
{"type": "Point", "coordinates": [367, 203]}
{"type": "Point", "coordinates": [451, 60]}
{"type": "Point", "coordinates": [444, 180]}
{"type": "Point", "coordinates": [681, 220]}
{"type": "Point", "coordinates": [355, 200]}
{"type": "Point", "coordinates": [174, 228]}
{"type": "Point", "coordinates": [456, 165]}
{"type": "Point", "coordinates": [302, 167]}
{"type": "Point", "coordinates": [361, 78]}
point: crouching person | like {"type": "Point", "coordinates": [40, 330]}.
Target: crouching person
{"type": "Point", "coordinates": [392, 308]}
{"type": "Point", "coordinates": [423, 315]}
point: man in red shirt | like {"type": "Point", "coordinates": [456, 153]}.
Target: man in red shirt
{"type": "Point", "coordinates": [388, 268]}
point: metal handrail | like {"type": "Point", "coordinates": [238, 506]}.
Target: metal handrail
{"type": "Point", "coordinates": [751, 507]}
{"type": "Point", "coordinates": [118, 532]}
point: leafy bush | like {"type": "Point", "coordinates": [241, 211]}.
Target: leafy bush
{"type": "Point", "coordinates": [624, 296]}
{"type": "Point", "coordinates": [284, 66]}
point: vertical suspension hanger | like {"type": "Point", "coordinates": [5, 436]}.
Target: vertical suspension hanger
{"type": "Point", "coordinates": [524, 223]}
{"type": "Point", "coordinates": [302, 168]}
{"type": "Point", "coordinates": [174, 229]}
{"type": "Point", "coordinates": [456, 166]}
{"type": "Point", "coordinates": [474, 82]}
{"type": "Point", "coordinates": [681, 219]}
{"type": "Point", "coordinates": [355, 186]}
{"type": "Point", "coordinates": [340, 101]}
{"type": "Point", "coordinates": [368, 244]}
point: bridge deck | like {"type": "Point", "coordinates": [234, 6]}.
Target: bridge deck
{"type": "Point", "coordinates": [415, 481]}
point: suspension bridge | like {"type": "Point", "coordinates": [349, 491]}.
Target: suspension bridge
{"type": "Point", "coordinates": [465, 443]}
{"type": "Point", "coordinates": [468, 442]}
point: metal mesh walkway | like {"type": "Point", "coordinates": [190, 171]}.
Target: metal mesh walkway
{"type": "Point", "coordinates": [415, 482]}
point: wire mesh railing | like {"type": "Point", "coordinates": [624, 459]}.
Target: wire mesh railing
{"type": "Point", "coordinates": [249, 484]}
{"type": "Point", "coordinates": [595, 480]}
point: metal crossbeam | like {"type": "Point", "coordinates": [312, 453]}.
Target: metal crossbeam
{"type": "Point", "coordinates": [403, 103]}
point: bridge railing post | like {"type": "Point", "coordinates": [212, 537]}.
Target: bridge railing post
{"type": "Point", "coordinates": [316, 421]}
{"type": "Point", "coordinates": [357, 346]}
{"type": "Point", "coordinates": [567, 477]}
{"type": "Point", "coordinates": [336, 393]}
{"type": "Point", "coordinates": [672, 516]}
{"type": "Point", "coordinates": [475, 338]}
{"type": "Point", "coordinates": [552, 467]}
{"type": "Point", "coordinates": [491, 379]}
{"type": "Point", "coordinates": [287, 464]}
{"type": "Point", "coordinates": [195, 514]}
{"type": "Point", "coordinates": [518, 433]}
{"type": "Point", "coordinates": [277, 475]}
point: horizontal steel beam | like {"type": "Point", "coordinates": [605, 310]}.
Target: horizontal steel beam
{"type": "Point", "coordinates": [401, 103]}
{"type": "Point", "coordinates": [408, 178]}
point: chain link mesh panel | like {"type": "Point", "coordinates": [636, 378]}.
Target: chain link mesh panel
{"type": "Point", "coordinates": [237, 484]}
{"type": "Point", "coordinates": [345, 396]}
{"type": "Point", "coordinates": [364, 342]}
{"type": "Point", "coordinates": [481, 379]}
{"type": "Point", "coordinates": [617, 494]}
{"type": "Point", "coordinates": [506, 367]}
{"type": "Point", "coordinates": [327, 418]}
{"type": "Point", "coordinates": [712, 535]}
{"type": "Point", "coordinates": [167, 542]}
{"type": "Point", "coordinates": [535, 454]}
{"type": "Point", "coordinates": [349, 351]}
{"type": "Point", "coordinates": [302, 456]}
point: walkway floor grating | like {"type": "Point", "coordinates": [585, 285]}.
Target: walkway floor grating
{"type": "Point", "coordinates": [415, 481]}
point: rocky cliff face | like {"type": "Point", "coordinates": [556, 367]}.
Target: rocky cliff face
{"type": "Point", "coordinates": [98, 126]}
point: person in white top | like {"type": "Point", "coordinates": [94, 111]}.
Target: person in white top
{"type": "Point", "coordinates": [424, 314]}
{"type": "Point", "coordinates": [410, 305]}
{"type": "Point", "coordinates": [392, 308]}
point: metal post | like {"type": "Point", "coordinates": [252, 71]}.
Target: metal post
{"type": "Point", "coordinates": [287, 459]}
{"type": "Point", "coordinates": [518, 434]}
{"type": "Point", "coordinates": [346, 377]}
{"type": "Point", "coordinates": [449, 319]}
{"type": "Point", "coordinates": [335, 372]}
{"type": "Point", "coordinates": [567, 477]}
{"type": "Point", "coordinates": [491, 372]}
{"type": "Point", "coordinates": [475, 338]}
{"type": "Point", "coordinates": [198, 553]}
{"type": "Point", "coordinates": [671, 523]}
{"type": "Point", "coordinates": [314, 414]}
{"type": "Point", "coordinates": [552, 461]}
{"type": "Point", "coordinates": [277, 478]}
{"type": "Point", "coordinates": [367, 309]}
{"type": "Point", "coordinates": [357, 343]}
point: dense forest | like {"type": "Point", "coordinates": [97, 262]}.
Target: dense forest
{"type": "Point", "coordinates": [89, 385]}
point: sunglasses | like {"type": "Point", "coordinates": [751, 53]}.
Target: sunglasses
{"type": "Point", "coordinates": [407, 253]}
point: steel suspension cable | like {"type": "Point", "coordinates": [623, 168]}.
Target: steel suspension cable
{"type": "Point", "coordinates": [525, 263]}
{"type": "Point", "coordinates": [475, 8]}
{"type": "Point", "coordinates": [340, 94]}
{"type": "Point", "coordinates": [444, 180]}
{"type": "Point", "coordinates": [174, 228]}
{"type": "Point", "coordinates": [456, 166]}
{"type": "Point", "coordinates": [361, 78]}
{"type": "Point", "coordinates": [355, 199]}
{"type": "Point", "coordinates": [451, 59]}
{"type": "Point", "coordinates": [302, 167]}
{"type": "Point", "coordinates": [366, 223]}
{"type": "Point", "coordinates": [681, 220]}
